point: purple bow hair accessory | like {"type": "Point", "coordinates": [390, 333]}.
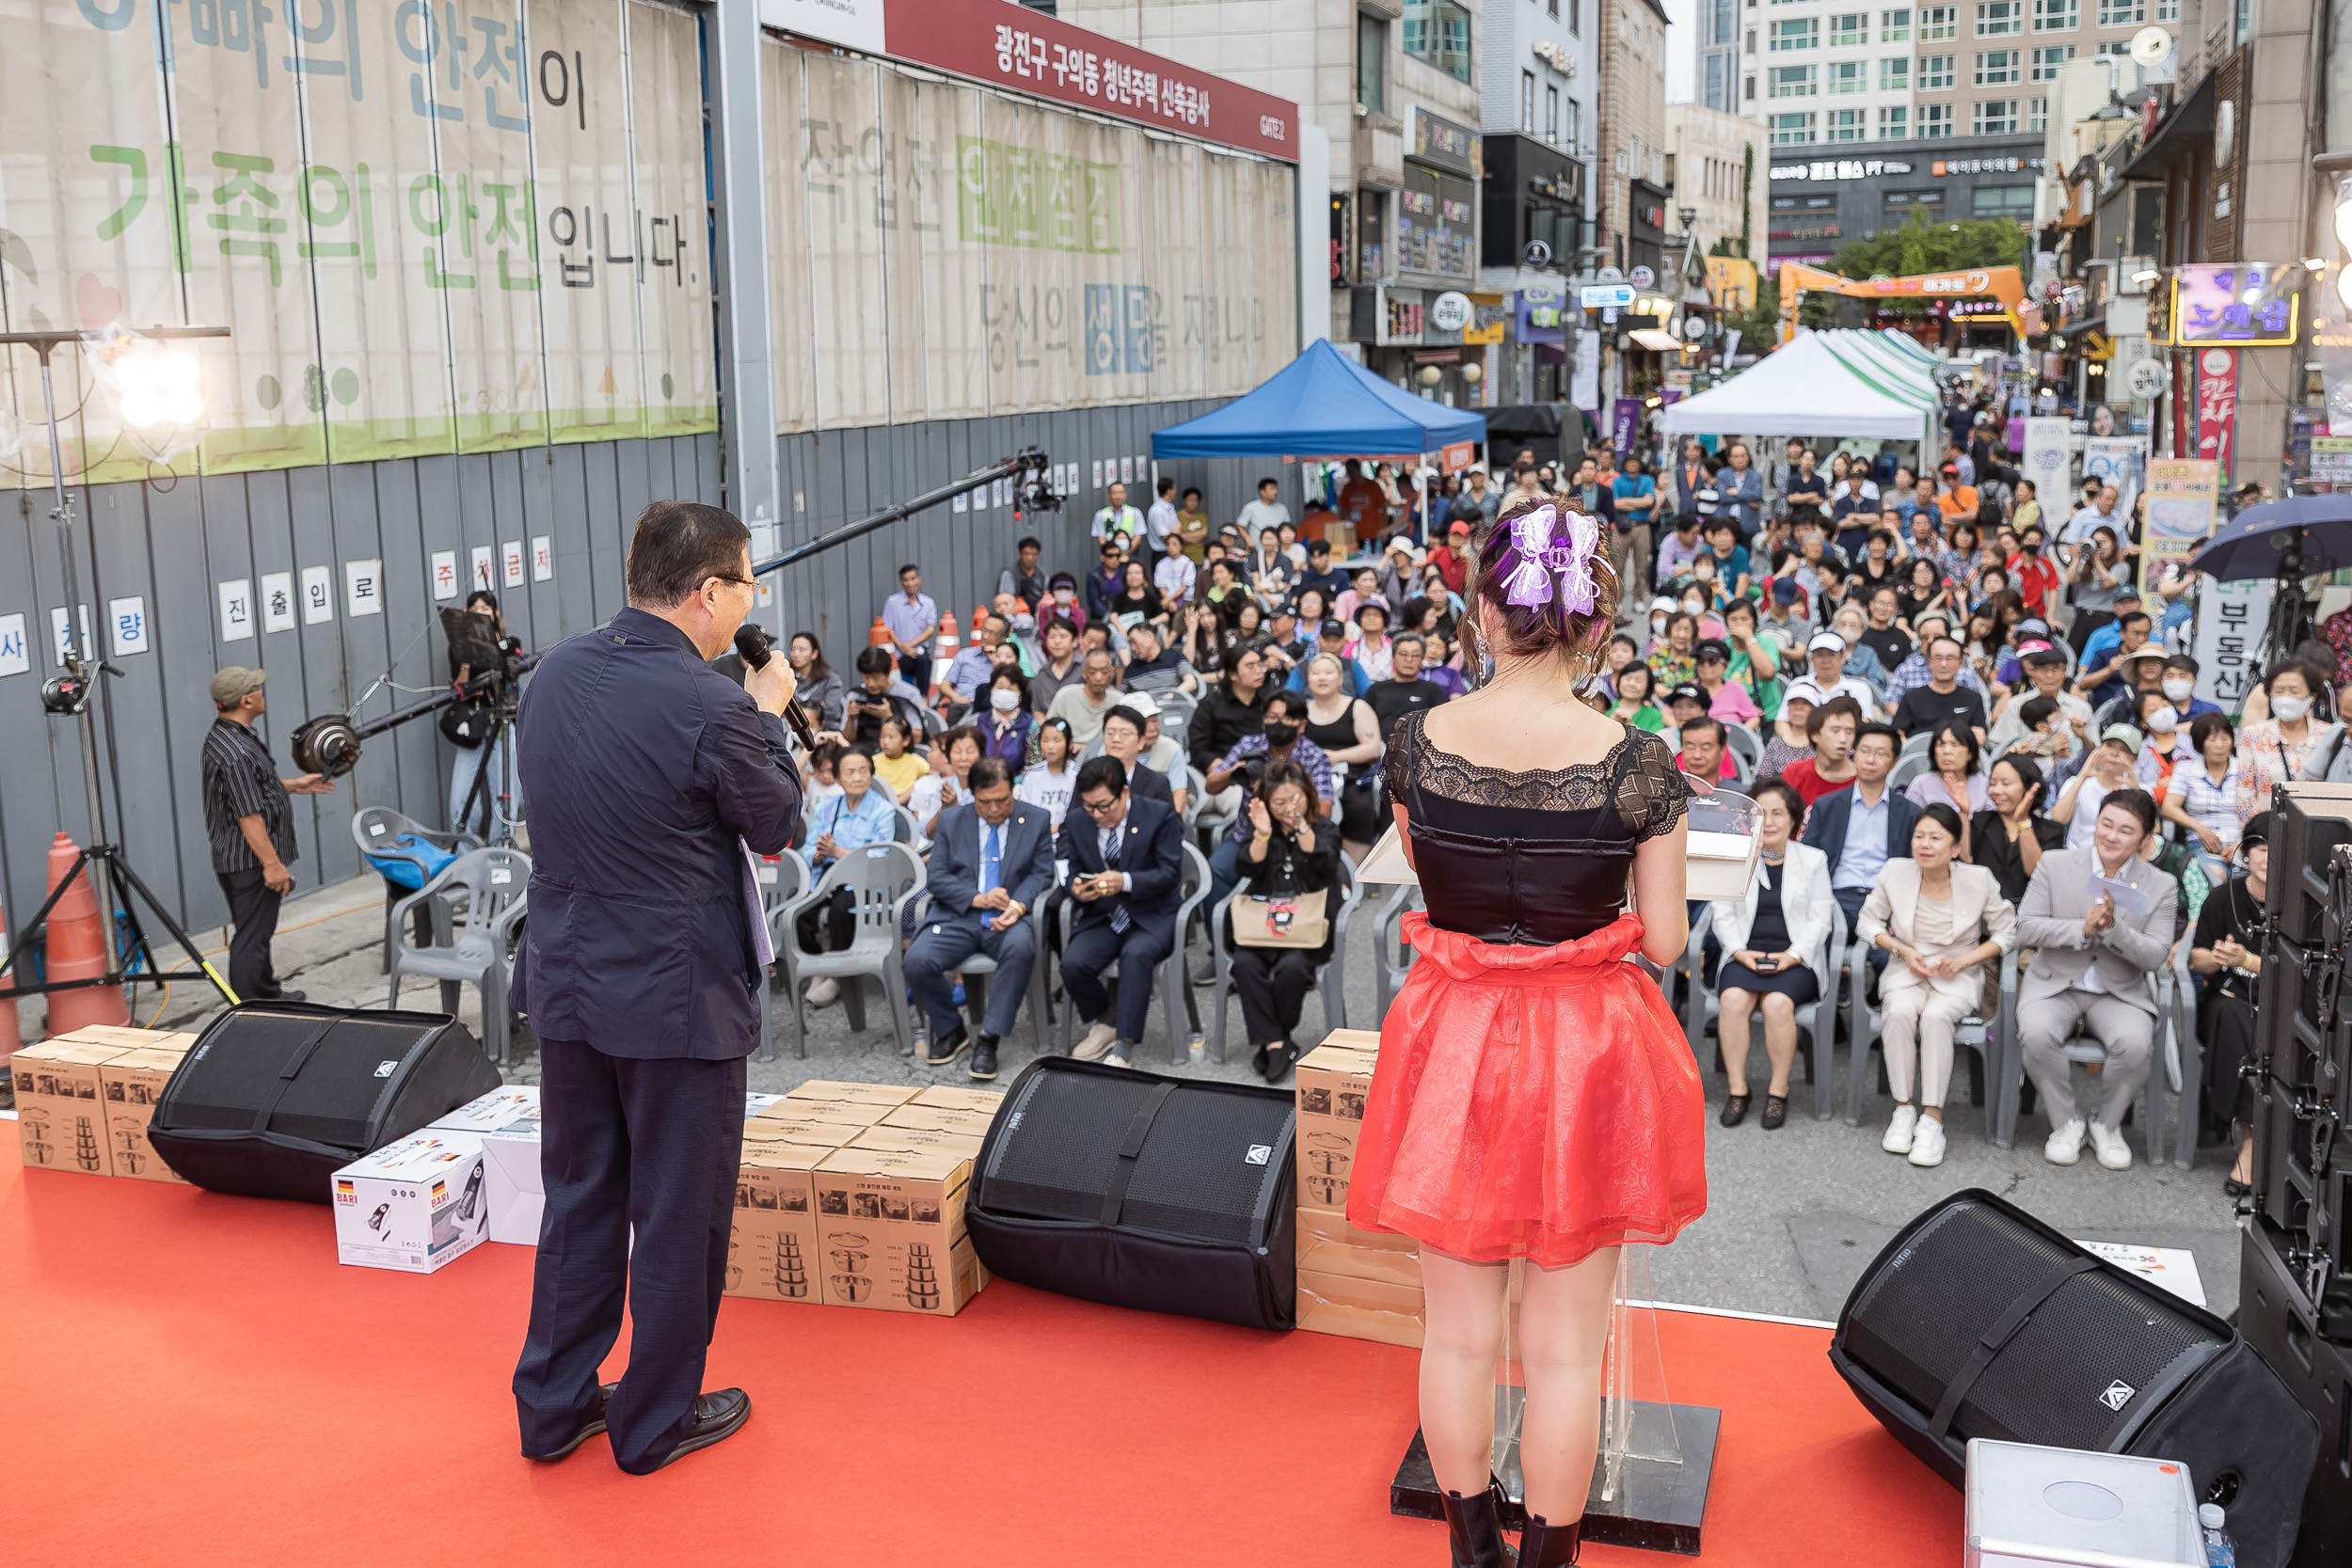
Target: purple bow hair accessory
{"type": "Point", "coordinates": [1541, 557]}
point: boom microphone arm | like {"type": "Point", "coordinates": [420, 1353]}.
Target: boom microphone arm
{"type": "Point", "coordinates": [1035, 494]}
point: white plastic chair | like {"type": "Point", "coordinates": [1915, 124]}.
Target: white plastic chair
{"type": "Point", "coordinates": [782, 882]}
{"type": "Point", "coordinates": [1331, 975]}
{"type": "Point", "coordinates": [1744, 747]}
{"type": "Point", "coordinates": [1815, 1019]}
{"type": "Point", "coordinates": [2177, 1053]}
{"type": "Point", "coordinates": [978, 966]}
{"type": "Point", "coordinates": [378, 831]}
{"type": "Point", "coordinates": [1388, 973]}
{"type": "Point", "coordinates": [1169, 982]}
{"type": "Point", "coordinates": [1907, 768]}
{"type": "Point", "coordinates": [885, 879]}
{"type": "Point", "coordinates": [495, 882]}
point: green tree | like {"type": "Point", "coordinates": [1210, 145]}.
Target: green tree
{"type": "Point", "coordinates": [1920, 245]}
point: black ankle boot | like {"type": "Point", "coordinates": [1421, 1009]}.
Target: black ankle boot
{"type": "Point", "coordinates": [1543, 1545]}
{"type": "Point", "coordinates": [1475, 1529]}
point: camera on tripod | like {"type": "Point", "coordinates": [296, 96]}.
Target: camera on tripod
{"type": "Point", "coordinates": [329, 745]}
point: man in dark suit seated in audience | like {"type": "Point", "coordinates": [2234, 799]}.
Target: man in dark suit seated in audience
{"type": "Point", "coordinates": [1127, 872]}
{"type": "Point", "coordinates": [991, 862]}
{"type": "Point", "coordinates": [1863, 826]}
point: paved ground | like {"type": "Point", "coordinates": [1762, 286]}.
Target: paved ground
{"type": "Point", "coordinates": [1794, 1215]}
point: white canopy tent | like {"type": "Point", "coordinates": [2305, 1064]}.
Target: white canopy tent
{"type": "Point", "coordinates": [1807, 387]}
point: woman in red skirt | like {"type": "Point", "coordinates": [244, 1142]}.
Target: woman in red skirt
{"type": "Point", "coordinates": [1536, 1098]}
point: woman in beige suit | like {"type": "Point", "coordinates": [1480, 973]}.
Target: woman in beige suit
{"type": "Point", "coordinates": [1925, 910]}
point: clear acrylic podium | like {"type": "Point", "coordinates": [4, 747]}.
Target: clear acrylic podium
{"type": "Point", "coordinates": [1650, 1481]}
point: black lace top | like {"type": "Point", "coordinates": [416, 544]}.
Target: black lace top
{"type": "Point", "coordinates": [1534, 858]}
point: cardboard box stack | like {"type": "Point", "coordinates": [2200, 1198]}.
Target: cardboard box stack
{"type": "Point", "coordinates": [853, 1195]}
{"type": "Point", "coordinates": [1357, 1284]}
{"type": "Point", "coordinates": [506, 1122]}
{"type": "Point", "coordinates": [83, 1100]}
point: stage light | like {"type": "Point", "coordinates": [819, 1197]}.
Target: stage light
{"type": "Point", "coordinates": [159, 386]}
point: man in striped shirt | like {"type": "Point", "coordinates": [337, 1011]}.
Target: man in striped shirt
{"type": "Point", "coordinates": [250, 822]}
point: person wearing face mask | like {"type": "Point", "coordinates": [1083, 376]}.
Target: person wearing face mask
{"type": "Point", "coordinates": [1005, 723]}
{"type": "Point", "coordinates": [2165, 747]}
{"type": "Point", "coordinates": [2180, 688]}
{"type": "Point", "coordinates": [2279, 748]}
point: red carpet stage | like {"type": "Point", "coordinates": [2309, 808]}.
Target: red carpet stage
{"type": "Point", "coordinates": [196, 1381]}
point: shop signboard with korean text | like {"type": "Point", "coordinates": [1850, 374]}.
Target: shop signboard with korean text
{"type": "Point", "coordinates": [2183, 496]}
{"type": "Point", "coordinates": [2235, 304]}
{"type": "Point", "coordinates": [465, 226]}
{"type": "Point", "coordinates": [2231, 620]}
{"type": "Point", "coordinates": [2216, 407]}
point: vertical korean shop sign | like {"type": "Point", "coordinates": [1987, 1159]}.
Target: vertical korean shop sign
{"type": "Point", "coordinates": [1027, 52]}
{"type": "Point", "coordinates": [2183, 492]}
{"type": "Point", "coordinates": [2216, 407]}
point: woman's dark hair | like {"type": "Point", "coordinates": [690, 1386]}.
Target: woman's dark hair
{"type": "Point", "coordinates": [679, 546]}
{"type": "Point", "coordinates": [1736, 606]}
{"type": "Point", "coordinates": [2206, 725]}
{"type": "Point", "coordinates": [1787, 794]}
{"type": "Point", "coordinates": [946, 742]}
{"type": "Point", "coordinates": [1550, 626]}
{"type": "Point", "coordinates": [1004, 673]}
{"type": "Point", "coordinates": [818, 668]}
{"type": "Point", "coordinates": [1415, 609]}
{"type": "Point", "coordinates": [874, 660]}
{"type": "Point", "coordinates": [2139, 802]}
{"type": "Point", "coordinates": [1959, 732]}
{"type": "Point", "coordinates": [2028, 776]}
{"type": "Point", "coordinates": [2312, 681]}
{"type": "Point", "coordinates": [1650, 679]}
{"type": "Point", "coordinates": [1935, 579]}
{"type": "Point", "coordinates": [1322, 606]}
{"type": "Point", "coordinates": [1060, 580]}
{"type": "Point", "coordinates": [1368, 608]}
{"type": "Point", "coordinates": [1140, 570]}
{"type": "Point", "coordinates": [827, 754]}
{"type": "Point", "coordinates": [1943, 816]}
{"type": "Point", "coordinates": [1284, 771]}
{"type": "Point", "coordinates": [1060, 727]}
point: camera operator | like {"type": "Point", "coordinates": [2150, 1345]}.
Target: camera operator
{"type": "Point", "coordinates": [250, 822]}
{"type": "Point", "coordinates": [653, 778]}
{"type": "Point", "coordinates": [467, 724]}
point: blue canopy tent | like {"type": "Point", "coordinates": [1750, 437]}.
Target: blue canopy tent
{"type": "Point", "coordinates": [1320, 405]}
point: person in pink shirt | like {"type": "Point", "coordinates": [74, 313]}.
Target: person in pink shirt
{"type": "Point", "coordinates": [1726, 699]}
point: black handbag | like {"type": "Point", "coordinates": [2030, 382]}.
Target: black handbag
{"type": "Point", "coordinates": [468, 724]}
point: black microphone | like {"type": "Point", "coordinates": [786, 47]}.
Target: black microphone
{"type": "Point", "coordinates": [752, 645]}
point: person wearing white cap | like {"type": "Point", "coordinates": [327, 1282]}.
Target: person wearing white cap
{"type": "Point", "coordinates": [1825, 654]}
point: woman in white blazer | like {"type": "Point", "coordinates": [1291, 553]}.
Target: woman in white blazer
{"type": "Point", "coordinates": [1926, 910]}
{"type": "Point", "coordinates": [1766, 939]}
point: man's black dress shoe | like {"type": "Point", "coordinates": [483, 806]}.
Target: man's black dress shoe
{"type": "Point", "coordinates": [983, 1067]}
{"type": "Point", "coordinates": [717, 1416]}
{"type": "Point", "coordinates": [588, 1429]}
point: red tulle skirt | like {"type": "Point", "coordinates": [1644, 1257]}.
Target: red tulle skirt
{"type": "Point", "coordinates": [1535, 1102]}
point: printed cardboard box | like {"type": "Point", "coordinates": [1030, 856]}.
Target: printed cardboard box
{"type": "Point", "coordinates": [780, 1130]}
{"type": "Point", "coordinates": [891, 1230]}
{"type": "Point", "coordinates": [1329, 1245]}
{"type": "Point", "coordinates": [911, 1140]}
{"type": "Point", "coordinates": [130, 1039]}
{"type": "Point", "coordinates": [507, 1121]}
{"type": "Point", "coordinates": [941, 1097]}
{"type": "Point", "coordinates": [934, 1118]}
{"type": "Point", "coordinates": [1360, 1309]}
{"type": "Point", "coordinates": [416, 1205]}
{"type": "Point", "coordinates": [755, 1103]}
{"type": "Point", "coordinates": [771, 1241]}
{"type": "Point", "coordinates": [1334, 1084]}
{"type": "Point", "coordinates": [843, 1092]}
{"type": "Point", "coordinates": [848, 1113]}
{"type": "Point", "coordinates": [60, 1106]}
{"type": "Point", "coordinates": [496, 1109]}
{"type": "Point", "coordinates": [128, 1087]}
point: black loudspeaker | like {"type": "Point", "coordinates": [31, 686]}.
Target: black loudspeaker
{"type": "Point", "coordinates": [1978, 1320]}
{"type": "Point", "coordinates": [1171, 1195]}
{"type": "Point", "coordinates": [2320, 1374]}
{"type": "Point", "coordinates": [2308, 822]}
{"type": "Point", "coordinates": [276, 1097]}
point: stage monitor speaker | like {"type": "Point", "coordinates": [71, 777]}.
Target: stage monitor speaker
{"type": "Point", "coordinates": [276, 1097]}
{"type": "Point", "coordinates": [1172, 1194]}
{"type": "Point", "coordinates": [2320, 1373]}
{"type": "Point", "coordinates": [2309, 820]}
{"type": "Point", "coordinates": [1978, 1320]}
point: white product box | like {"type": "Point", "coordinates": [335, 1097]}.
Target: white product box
{"type": "Point", "coordinates": [495, 1109]}
{"type": "Point", "coordinates": [2030, 1507]}
{"type": "Point", "coordinates": [519, 1196]}
{"type": "Point", "coordinates": [416, 1205]}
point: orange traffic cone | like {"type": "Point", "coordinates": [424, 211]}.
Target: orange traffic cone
{"type": "Point", "coordinates": [878, 635]}
{"type": "Point", "coordinates": [10, 1038]}
{"type": "Point", "coordinates": [979, 618]}
{"type": "Point", "coordinates": [75, 947]}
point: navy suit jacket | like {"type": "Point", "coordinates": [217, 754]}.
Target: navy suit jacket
{"type": "Point", "coordinates": [1825, 825]}
{"type": "Point", "coordinates": [1151, 854]}
{"type": "Point", "coordinates": [1025, 868]}
{"type": "Point", "coordinates": [643, 766]}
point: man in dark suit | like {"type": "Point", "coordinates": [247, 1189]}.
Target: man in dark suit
{"type": "Point", "coordinates": [1127, 872]}
{"type": "Point", "coordinates": [648, 773]}
{"type": "Point", "coordinates": [1863, 826]}
{"type": "Point", "coordinates": [990, 862]}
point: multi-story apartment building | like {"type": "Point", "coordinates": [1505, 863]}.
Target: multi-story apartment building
{"type": "Point", "coordinates": [1719, 168]}
{"type": "Point", "coordinates": [1830, 73]}
{"type": "Point", "coordinates": [1630, 197]}
{"type": "Point", "coordinates": [1539, 79]}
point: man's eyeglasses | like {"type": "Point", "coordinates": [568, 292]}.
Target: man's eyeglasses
{"type": "Point", "coordinates": [721, 576]}
{"type": "Point", "coordinates": [1097, 808]}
